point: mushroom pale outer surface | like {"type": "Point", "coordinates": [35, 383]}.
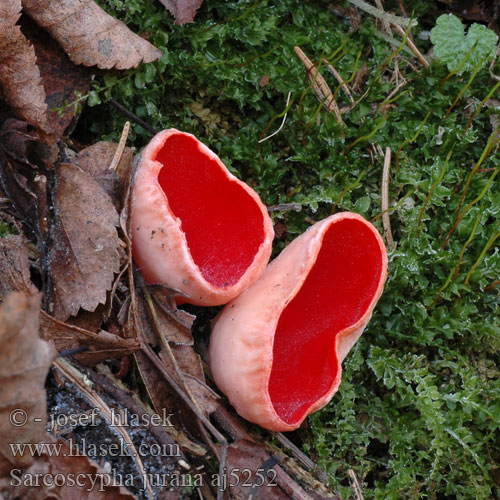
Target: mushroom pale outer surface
{"type": "Point", "coordinates": [195, 227]}
{"type": "Point", "coordinates": [276, 350]}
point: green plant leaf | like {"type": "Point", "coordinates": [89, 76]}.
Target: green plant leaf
{"type": "Point", "coordinates": [452, 46]}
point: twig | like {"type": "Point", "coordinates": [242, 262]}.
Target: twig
{"type": "Point", "coordinates": [386, 222]}
{"type": "Point", "coordinates": [217, 435]}
{"type": "Point", "coordinates": [121, 147]}
{"type": "Point", "coordinates": [282, 123]}
{"type": "Point", "coordinates": [355, 484]}
{"type": "Point", "coordinates": [319, 84]}
{"type": "Point", "coordinates": [166, 346]}
{"type": "Point", "coordinates": [78, 378]}
{"type": "Point", "coordinates": [132, 116]}
{"type": "Point", "coordinates": [301, 456]}
{"type": "Point", "coordinates": [380, 14]}
{"type": "Point", "coordinates": [412, 46]}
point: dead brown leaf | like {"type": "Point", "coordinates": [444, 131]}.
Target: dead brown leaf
{"type": "Point", "coordinates": [174, 323]}
{"type": "Point", "coordinates": [14, 168]}
{"type": "Point", "coordinates": [89, 35]}
{"type": "Point", "coordinates": [83, 256]}
{"type": "Point", "coordinates": [61, 78]}
{"type": "Point", "coordinates": [96, 159]}
{"type": "Point", "coordinates": [22, 152]}
{"type": "Point", "coordinates": [24, 362]}
{"type": "Point", "coordinates": [19, 75]}
{"type": "Point", "coordinates": [183, 10]}
{"type": "Point", "coordinates": [14, 269]}
{"type": "Point", "coordinates": [102, 345]}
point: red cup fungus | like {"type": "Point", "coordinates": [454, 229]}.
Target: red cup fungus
{"type": "Point", "coordinates": [276, 350]}
{"type": "Point", "coordinates": [195, 226]}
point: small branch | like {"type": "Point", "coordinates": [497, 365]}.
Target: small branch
{"type": "Point", "coordinates": [380, 14]}
{"type": "Point", "coordinates": [121, 147]}
{"type": "Point", "coordinates": [386, 222]}
{"type": "Point", "coordinates": [133, 117]}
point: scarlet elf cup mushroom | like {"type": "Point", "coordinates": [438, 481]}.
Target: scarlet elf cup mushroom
{"type": "Point", "coordinates": [195, 226]}
{"type": "Point", "coordinates": [276, 350]}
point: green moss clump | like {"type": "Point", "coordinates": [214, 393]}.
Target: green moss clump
{"type": "Point", "coordinates": [418, 412]}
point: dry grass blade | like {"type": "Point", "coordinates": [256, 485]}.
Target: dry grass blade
{"type": "Point", "coordinates": [301, 456]}
{"type": "Point", "coordinates": [355, 484]}
{"type": "Point", "coordinates": [386, 221]}
{"type": "Point", "coordinates": [412, 46]}
{"type": "Point", "coordinates": [121, 147]}
{"type": "Point", "coordinates": [343, 84]}
{"type": "Point", "coordinates": [319, 84]}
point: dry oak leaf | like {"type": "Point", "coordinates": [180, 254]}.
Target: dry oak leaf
{"type": "Point", "coordinates": [83, 255]}
{"type": "Point", "coordinates": [24, 362]}
{"type": "Point", "coordinates": [89, 35]}
{"type": "Point", "coordinates": [183, 10]}
{"type": "Point", "coordinates": [19, 75]}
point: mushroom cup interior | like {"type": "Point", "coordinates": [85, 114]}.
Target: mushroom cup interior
{"type": "Point", "coordinates": [334, 296]}
{"type": "Point", "coordinates": [222, 223]}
